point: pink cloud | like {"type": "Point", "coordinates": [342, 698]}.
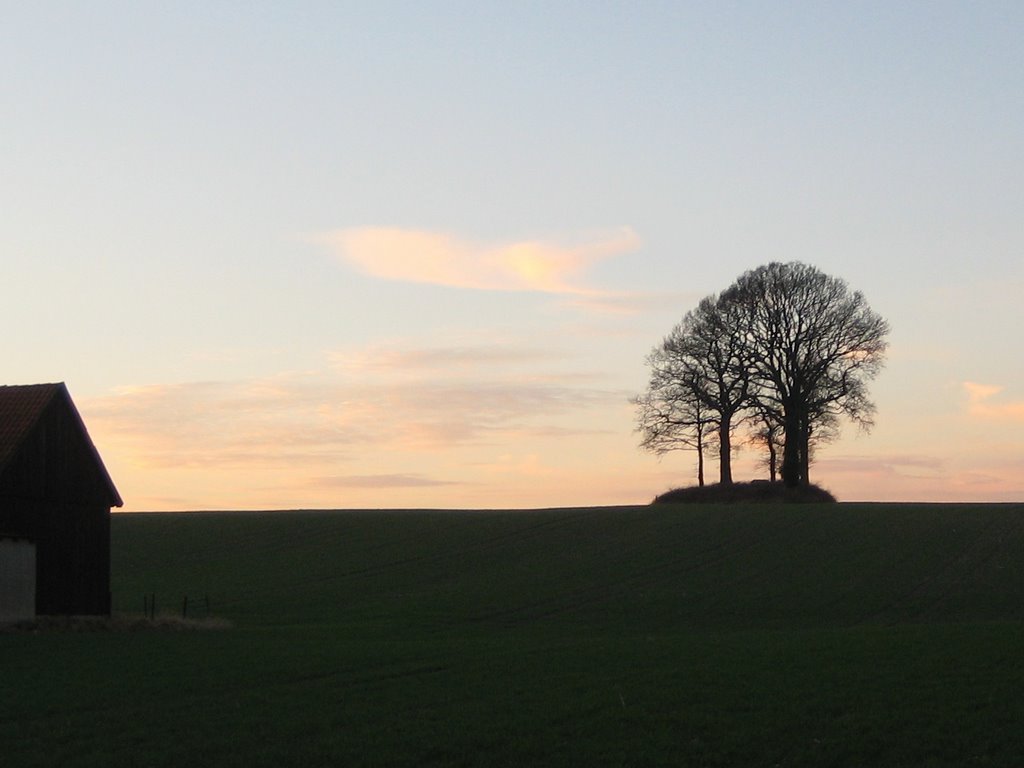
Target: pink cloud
{"type": "Point", "coordinates": [455, 396]}
{"type": "Point", "coordinates": [914, 466]}
{"type": "Point", "coordinates": [983, 402]}
{"type": "Point", "coordinates": [381, 481]}
{"type": "Point", "coordinates": [441, 259]}
{"type": "Point", "coordinates": [403, 359]}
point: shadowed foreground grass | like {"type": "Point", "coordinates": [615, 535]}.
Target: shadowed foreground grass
{"type": "Point", "coordinates": [739, 635]}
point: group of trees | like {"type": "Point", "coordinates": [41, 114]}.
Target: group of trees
{"type": "Point", "coordinates": [783, 353]}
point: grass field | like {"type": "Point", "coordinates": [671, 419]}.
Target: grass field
{"type": "Point", "coordinates": [833, 635]}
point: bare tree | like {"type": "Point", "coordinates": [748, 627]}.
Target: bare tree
{"type": "Point", "coordinates": [699, 376]}
{"type": "Point", "coordinates": [787, 349]}
{"type": "Point", "coordinates": [671, 415]}
{"type": "Point", "coordinates": [812, 346]}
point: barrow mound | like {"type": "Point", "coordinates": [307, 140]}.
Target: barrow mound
{"type": "Point", "coordinates": [758, 491]}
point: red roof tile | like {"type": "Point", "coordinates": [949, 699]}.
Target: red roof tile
{"type": "Point", "coordinates": [20, 409]}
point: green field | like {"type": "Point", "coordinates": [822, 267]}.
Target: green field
{"type": "Point", "coordinates": [836, 635]}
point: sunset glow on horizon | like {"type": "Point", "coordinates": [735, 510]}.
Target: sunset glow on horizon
{"type": "Point", "coordinates": [403, 257]}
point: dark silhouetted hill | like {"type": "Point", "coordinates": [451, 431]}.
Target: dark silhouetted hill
{"type": "Point", "coordinates": [746, 493]}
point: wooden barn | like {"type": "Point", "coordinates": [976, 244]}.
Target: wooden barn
{"type": "Point", "coordinates": [55, 495]}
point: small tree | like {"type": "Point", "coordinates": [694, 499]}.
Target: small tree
{"type": "Point", "coordinates": [671, 415]}
{"type": "Point", "coordinates": [699, 365]}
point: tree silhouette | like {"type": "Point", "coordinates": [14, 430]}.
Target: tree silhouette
{"type": "Point", "coordinates": [713, 354]}
{"type": "Point", "coordinates": [785, 347]}
{"type": "Point", "coordinates": [671, 414]}
{"type": "Point", "coordinates": [766, 431]}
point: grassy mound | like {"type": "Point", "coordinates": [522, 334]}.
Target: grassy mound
{"type": "Point", "coordinates": [746, 493]}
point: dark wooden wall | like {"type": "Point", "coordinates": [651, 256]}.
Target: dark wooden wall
{"type": "Point", "coordinates": [53, 493]}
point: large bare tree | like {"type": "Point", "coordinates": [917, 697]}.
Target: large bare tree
{"type": "Point", "coordinates": [812, 345]}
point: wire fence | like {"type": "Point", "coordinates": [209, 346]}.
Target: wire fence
{"type": "Point", "coordinates": [191, 606]}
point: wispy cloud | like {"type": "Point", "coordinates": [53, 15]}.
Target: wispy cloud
{"type": "Point", "coordinates": [382, 481]}
{"type": "Point", "coordinates": [443, 259]}
{"type": "Point", "coordinates": [271, 423]}
{"type": "Point", "coordinates": [970, 472]}
{"type": "Point", "coordinates": [458, 396]}
{"type": "Point", "coordinates": [402, 358]}
{"type": "Point", "coordinates": [983, 402]}
{"type": "Point", "coordinates": [631, 303]}
{"type": "Point", "coordinates": [915, 466]}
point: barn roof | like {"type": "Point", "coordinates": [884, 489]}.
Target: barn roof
{"type": "Point", "coordinates": [22, 406]}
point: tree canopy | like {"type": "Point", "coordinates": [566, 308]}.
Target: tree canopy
{"type": "Point", "coordinates": [783, 352]}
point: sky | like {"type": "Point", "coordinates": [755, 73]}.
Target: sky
{"type": "Point", "coordinates": [376, 255]}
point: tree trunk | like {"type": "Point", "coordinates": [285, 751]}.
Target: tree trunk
{"type": "Point", "coordinates": [700, 454]}
{"type": "Point", "coordinates": [773, 458]}
{"type": "Point", "coordinates": [791, 449]}
{"type": "Point", "coordinates": [724, 453]}
{"type": "Point", "coordinates": [805, 451]}
{"type": "Point", "coordinates": [700, 465]}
